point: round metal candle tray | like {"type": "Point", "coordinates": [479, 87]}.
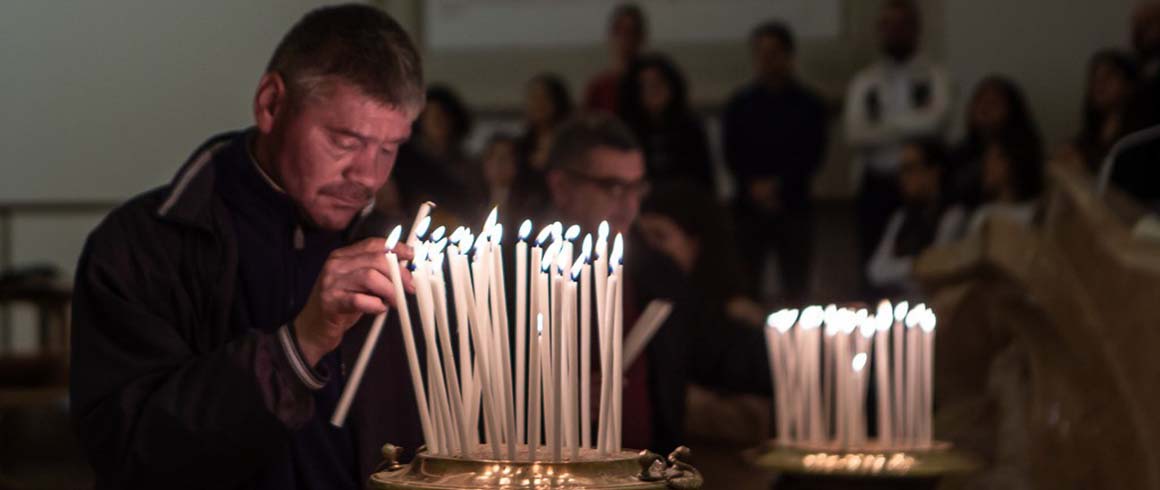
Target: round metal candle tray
{"type": "Point", "coordinates": [624, 470]}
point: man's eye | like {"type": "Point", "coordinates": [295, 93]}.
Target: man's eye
{"type": "Point", "coordinates": [345, 142]}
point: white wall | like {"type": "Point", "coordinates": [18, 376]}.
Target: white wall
{"type": "Point", "coordinates": [1042, 44]}
{"type": "Point", "coordinates": [103, 100]}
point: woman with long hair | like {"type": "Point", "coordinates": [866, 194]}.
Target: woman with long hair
{"type": "Point", "coordinates": [998, 120]}
{"type": "Point", "coordinates": [547, 103]}
{"type": "Point", "coordinates": [654, 102]}
{"type": "Point", "coordinates": [1109, 109]}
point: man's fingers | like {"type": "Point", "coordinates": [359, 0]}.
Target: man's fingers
{"type": "Point", "coordinates": [369, 281]}
{"type": "Point", "coordinates": [403, 251]}
{"type": "Point", "coordinates": [353, 302]}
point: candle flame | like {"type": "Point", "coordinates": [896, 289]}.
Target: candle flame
{"type": "Point", "coordinates": [900, 311]}
{"type": "Point", "coordinates": [617, 250]}
{"type": "Point", "coordinates": [586, 247]}
{"type": "Point", "coordinates": [848, 320]}
{"type": "Point", "coordinates": [861, 315]}
{"type": "Point", "coordinates": [393, 238]}
{"type": "Point", "coordinates": [602, 230]}
{"type": "Point", "coordinates": [868, 326]}
{"type": "Point", "coordinates": [492, 217]}
{"type": "Point", "coordinates": [557, 231]}
{"type": "Point", "coordinates": [422, 228]}
{"type": "Point", "coordinates": [550, 256]}
{"type": "Point", "coordinates": [913, 316]}
{"type": "Point", "coordinates": [576, 268]}
{"type": "Point", "coordinates": [572, 233]}
{"type": "Point", "coordinates": [859, 362]}
{"type": "Point", "coordinates": [543, 236]}
{"type": "Point", "coordinates": [884, 309]}
{"type": "Point", "coordinates": [438, 233]}
{"type": "Point", "coordinates": [525, 229]}
{"type": "Point", "coordinates": [783, 320]}
{"type": "Point", "coordinates": [421, 251]}
{"type": "Point", "coordinates": [497, 233]}
{"type": "Point", "coordinates": [468, 242]}
{"type": "Point", "coordinates": [928, 321]}
{"type": "Point", "coordinates": [884, 319]}
{"type": "Point", "coordinates": [811, 317]}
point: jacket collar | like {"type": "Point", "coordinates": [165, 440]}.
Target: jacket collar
{"type": "Point", "coordinates": [189, 195]}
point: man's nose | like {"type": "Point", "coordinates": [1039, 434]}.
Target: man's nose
{"type": "Point", "coordinates": [364, 167]}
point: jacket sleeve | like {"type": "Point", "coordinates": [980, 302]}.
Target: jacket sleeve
{"type": "Point", "coordinates": [156, 404]}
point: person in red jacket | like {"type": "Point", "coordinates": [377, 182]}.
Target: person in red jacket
{"type": "Point", "coordinates": [627, 32]}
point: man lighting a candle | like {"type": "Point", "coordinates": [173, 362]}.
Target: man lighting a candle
{"type": "Point", "coordinates": [211, 315]}
{"type": "Point", "coordinates": [597, 173]}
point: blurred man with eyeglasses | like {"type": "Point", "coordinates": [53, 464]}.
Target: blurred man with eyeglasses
{"type": "Point", "coordinates": [596, 173]}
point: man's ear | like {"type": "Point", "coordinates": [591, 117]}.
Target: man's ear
{"type": "Point", "coordinates": [270, 99]}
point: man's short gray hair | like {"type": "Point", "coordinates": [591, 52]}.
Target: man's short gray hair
{"type": "Point", "coordinates": [358, 44]}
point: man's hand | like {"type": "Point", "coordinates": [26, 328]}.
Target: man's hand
{"type": "Point", "coordinates": [354, 281]}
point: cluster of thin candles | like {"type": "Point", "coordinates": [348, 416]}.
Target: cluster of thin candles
{"type": "Point", "coordinates": [819, 375]}
{"type": "Point", "coordinates": [552, 325]}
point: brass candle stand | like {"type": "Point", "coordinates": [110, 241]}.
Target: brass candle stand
{"type": "Point", "coordinates": [625, 470]}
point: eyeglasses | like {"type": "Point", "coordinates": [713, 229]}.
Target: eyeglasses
{"type": "Point", "coordinates": [612, 186]}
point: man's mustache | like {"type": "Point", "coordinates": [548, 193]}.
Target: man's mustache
{"type": "Point", "coordinates": [348, 191]}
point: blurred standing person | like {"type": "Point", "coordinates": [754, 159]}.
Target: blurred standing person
{"type": "Point", "coordinates": [655, 104]}
{"type": "Point", "coordinates": [900, 97]}
{"type": "Point", "coordinates": [547, 104]}
{"type": "Point", "coordinates": [775, 139]}
{"type": "Point", "coordinates": [1109, 109]}
{"type": "Point", "coordinates": [998, 118]}
{"type": "Point", "coordinates": [433, 165]}
{"type": "Point", "coordinates": [627, 32]}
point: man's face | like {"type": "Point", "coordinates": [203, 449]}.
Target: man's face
{"type": "Point", "coordinates": [626, 37]}
{"type": "Point", "coordinates": [332, 150]}
{"type": "Point", "coordinates": [899, 32]}
{"type": "Point", "coordinates": [610, 188]}
{"type": "Point", "coordinates": [771, 59]}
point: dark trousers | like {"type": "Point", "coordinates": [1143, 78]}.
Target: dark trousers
{"type": "Point", "coordinates": [878, 198]}
{"type": "Point", "coordinates": [789, 234]}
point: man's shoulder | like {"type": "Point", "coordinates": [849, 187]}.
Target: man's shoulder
{"type": "Point", "coordinates": [135, 222]}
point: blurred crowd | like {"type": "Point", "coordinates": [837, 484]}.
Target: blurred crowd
{"type": "Point", "coordinates": [915, 186]}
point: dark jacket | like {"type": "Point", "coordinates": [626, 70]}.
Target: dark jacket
{"type": "Point", "coordinates": [775, 134]}
{"type": "Point", "coordinates": [166, 390]}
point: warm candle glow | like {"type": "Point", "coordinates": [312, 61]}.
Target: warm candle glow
{"type": "Point", "coordinates": [438, 233]}
{"type": "Point", "coordinates": [572, 233]}
{"type": "Point", "coordinates": [602, 230]}
{"type": "Point", "coordinates": [525, 230]}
